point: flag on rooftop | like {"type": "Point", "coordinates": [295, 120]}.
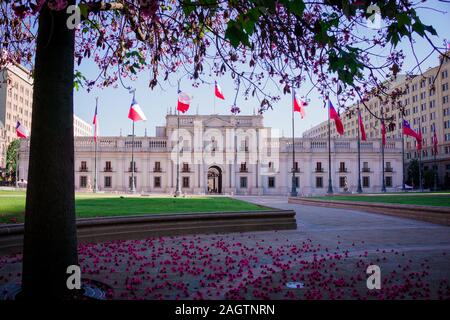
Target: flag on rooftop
{"type": "Point", "coordinates": [135, 112]}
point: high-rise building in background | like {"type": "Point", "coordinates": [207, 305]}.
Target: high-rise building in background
{"type": "Point", "coordinates": [16, 96]}
{"type": "Point", "coordinates": [426, 103]}
{"type": "Point", "coordinates": [16, 100]}
{"type": "Point", "coordinates": [81, 128]}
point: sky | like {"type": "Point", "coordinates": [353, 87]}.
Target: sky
{"type": "Point", "coordinates": [114, 103]}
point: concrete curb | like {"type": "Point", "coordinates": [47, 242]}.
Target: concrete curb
{"type": "Point", "coordinates": [145, 226]}
{"type": "Point", "coordinates": [438, 215]}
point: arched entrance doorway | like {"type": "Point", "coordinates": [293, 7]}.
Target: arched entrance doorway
{"type": "Point", "coordinates": [214, 180]}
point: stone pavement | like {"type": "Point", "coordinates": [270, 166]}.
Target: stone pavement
{"type": "Point", "coordinates": [327, 255]}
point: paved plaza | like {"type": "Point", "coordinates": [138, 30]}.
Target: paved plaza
{"type": "Point", "coordinates": [325, 258]}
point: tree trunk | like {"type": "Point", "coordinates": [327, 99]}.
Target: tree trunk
{"type": "Point", "coordinates": [50, 240]}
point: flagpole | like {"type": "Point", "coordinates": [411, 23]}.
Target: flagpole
{"type": "Point", "coordinates": [383, 183]}
{"type": "Point", "coordinates": [420, 152]}
{"type": "Point", "coordinates": [330, 187]}
{"type": "Point", "coordinates": [294, 187]}
{"type": "Point", "coordinates": [133, 186]}
{"type": "Point", "coordinates": [435, 147]}
{"type": "Point", "coordinates": [95, 148]}
{"type": "Point", "coordinates": [359, 190]}
{"type": "Point", "coordinates": [403, 154]}
{"type": "Point", "coordinates": [214, 97]}
{"type": "Point", "coordinates": [178, 190]}
{"type": "Point", "coordinates": [17, 166]}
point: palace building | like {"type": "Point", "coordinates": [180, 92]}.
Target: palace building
{"type": "Point", "coordinates": [227, 154]}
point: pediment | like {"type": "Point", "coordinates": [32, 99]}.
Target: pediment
{"type": "Point", "coordinates": [216, 123]}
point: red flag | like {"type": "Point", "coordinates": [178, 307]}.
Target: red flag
{"type": "Point", "coordinates": [135, 112]}
{"type": "Point", "coordinates": [218, 91]}
{"type": "Point", "coordinates": [299, 106]}
{"type": "Point", "coordinates": [334, 116]}
{"type": "Point", "coordinates": [383, 133]}
{"type": "Point", "coordinates": [94, 122]}
{"type": "Point", "coordinates": [435, 141]}
{"type": "Point", "coordinates": [184, 101]}
{"type": "Point", "coordinates": [361, 127]}
{"type": "Point", "coordinates": [407, 131]}
{"type": "Point", "coordinates": [419, 141]}
{"type": "Point", "coordinates": [21, 131]}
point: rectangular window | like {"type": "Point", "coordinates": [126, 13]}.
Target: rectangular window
{"type": "Point", "coordinates": [297, 182]}
{"type": "Point", "coordinates": [83, 181]}
{"type": "Point", "coordinates": [388, 182]}
{"type": "Point", "coordinates": [185, 182]}
{"type": "Point", "coordinates": [157, 182]}
{"type": "Point", "coordinates": [319, 167]}
{"type": "Point", "coordinates": [342, 182]}
{"type": "Point", "coordinates": [271, 182]}
{"type": "Point", "coordinates": [129, 182]}
{"type": "Point", "coordinates": [83, 166]}
{"type": "Point", "coordinates": [243, 182]}
{"type": "Point", "coordinates": [185, 167]}
{"type": "Point", "coordinates": [319, 182]}
{"type": "Point", "coordinates": [132, 166]}
{"type": "Point", "coordinates": [296, 166]}
{"type": "Point", "coordinates": [366, 182]}
{"type": "Point", "coordinates": [342, 167]}
{"type": "Point", "coordinates": [243, 167]}
{"type": "Point", "coordinates": [108, 182]}
{"type": "Point", "coordinates": [157, 167]}
{"type": "Point", "coordinates": [108, 167]}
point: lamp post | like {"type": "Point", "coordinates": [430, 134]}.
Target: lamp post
{"type": "Point", "coordinates": [330, 184]}
{"type": "Point", "coordinates": [178, 187]}
{"type": "Point", "coordinates": [383, 185]}
{"type": "Point", "coordinates": [294, 185]}
{"type": "Point", "coordinates": [359, 190]}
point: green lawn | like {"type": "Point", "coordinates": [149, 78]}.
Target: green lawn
{"type": "Point", "coordinates": [12, 205]}
{"type": "Point", "coordinates": [416, 199]}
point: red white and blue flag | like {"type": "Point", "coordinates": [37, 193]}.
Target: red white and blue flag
{"type": "Point", "coordinates": [218, 91]}
{"type": "Point", "coordinates": [407, 131]}
{"type": "Point", "coordinates": [361, 127]}
{"type": "Point", "coordinates": [337, 120]}
{"type": "Point", "coordinates": [21, 131]}
{"type": "Point", "coordinates": [299, 106]}
{"type": "Point", "coordinates": [135, 112]}
{"type": "Point", "coordinates": [184, 101]}
{"type": "Point", "coordinates": [94, 122]}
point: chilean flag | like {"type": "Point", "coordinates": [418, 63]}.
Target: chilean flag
{"type": "Point", "coordinates": [135, 112]}
{"type": "Point", "coordinates": [218, 91]}
{"type": "Point", "coordinates": [94, 122]}
{"type": "Point", "coordinates": [383, 133]}
{"type": "Point", "coordinates": [361, 127]}
{"type": "Point", "coordinates": [419, 141]}
{"type": "Point", "coordinates": [334, 116]}
{"type": "Point", "coordinates": [408, 131]}
{"type": "Point", "coordinates": [184, 101]}
{"type": "Point", "coordinates": [21, 131]}
{"type": "Point", "coordinates": [299, 106]}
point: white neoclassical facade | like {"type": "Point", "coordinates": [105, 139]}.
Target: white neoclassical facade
{"type": "Point", "coordinates": [228, 154]}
